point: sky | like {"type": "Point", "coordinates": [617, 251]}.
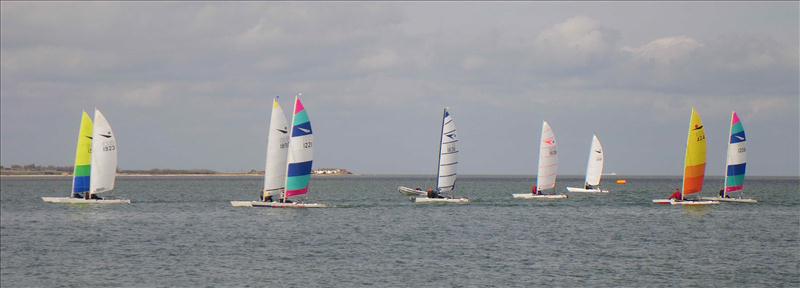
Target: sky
{"type": "Point", "coordinates": [190, 85]}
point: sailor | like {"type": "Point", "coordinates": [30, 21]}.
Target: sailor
{"type": "Point", "coordinates": [535, 190]}
{"type": "Point", "coordinates": [677, 195]}
{"type": "Point", "coordinates": [95, 197]}
{"type": "Point", "coordinates": [721, 193]}
{"type": "Point", "coordinates": [77, 195]}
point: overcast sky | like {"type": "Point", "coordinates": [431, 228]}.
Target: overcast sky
{"type": "Point", "coordinates": [190, 85]}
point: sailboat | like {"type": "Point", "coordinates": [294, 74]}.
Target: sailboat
{"type": "Point", "coordinates": [445, 170]}
{"type": "Point", "coordinates": [95, 163]}
{"type": "Point", "coordinates": [594, 169]}
{"type": "Point", "coordinates": [277, 149]}
{"type": "Point", "coordinates": [735, 164]}
{"type": "Point", "coordinates": [299, 159]}
{"type": "Point", "coordinates": [548, 165]}
{"type": "Point", "coordinates": [694, 167]}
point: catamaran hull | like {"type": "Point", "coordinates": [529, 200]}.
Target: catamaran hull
{"type": "Point", "coordinates": [529, 196]}
{"type": "Point", "coordinates": [582, 190]}
{"type": "Point", "coordinates": [410, 192]}
{"type": "Point", "coordinates": [426, 200]}
{"type": "Point", "coordinates": [276, 204]}
{"type": "Point", "coordinates": [71, 200]}
{"type": "Point", "coordinates": [734, 200]}
{"type": "Point", "coordinates": [685, 203]}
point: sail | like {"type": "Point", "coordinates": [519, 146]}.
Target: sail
{"type": "Point", "coordinates": [695, 161]}
{"type": "Point", "coordinates": [737, 156]}
{"type": "Point", "coordinates": [548, 159]}
{"type": "Point", "coordinates": [448, 155]}
{"type": "Point", "coordinates": [104, 155]}
{"type": "Point", "coordinates": [277, 146]}
{"type": "Point", "coordinates": [83, 156]}
{"type": "Point", "coordinates": [301, 151]}
{"type": "Point", "coordinates": [595, 166]}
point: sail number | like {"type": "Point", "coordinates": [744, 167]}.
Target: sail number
{"type": "Point", "coordinates": [742, 150]}
{"type": "Point", "coordinates": [284, 145]}
{"type": "Point", "coordinates": [109, 147]}
{"type": "Point", "coordinates": [307, 144]}
{"type": "Point", "coordinates": [451, 149]}
{"type": "Point", "coordinates": [701, 137]}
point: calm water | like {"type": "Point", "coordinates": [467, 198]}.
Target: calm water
{"type": "Point", "coordinates": [183, 232]}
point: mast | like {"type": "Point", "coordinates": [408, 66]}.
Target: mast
{"type": "Point", "coordinates": [439, 153]}
{"type": "Point", "coordinates": [291, 128]}
{"type": "Point", "coordinates": [686, 154]}
{"type": "Point", "coordinates": [727, 151]}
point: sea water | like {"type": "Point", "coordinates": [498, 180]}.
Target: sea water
{"type": "Point", "coordinates": [182, 231]}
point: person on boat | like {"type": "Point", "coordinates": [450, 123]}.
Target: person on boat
{"type": "Point", "coordinates": [267, 199]}
{"type": "Point", "coordinates": [433, 193]}
{"type": "Point", "coordinates": [677, 195]}
{"type": "Point", "coordinates": [77, 195]}
{"type": "Point", "coordinates": [535, 190]}
{"type": "Point", "coordinates": [722, 194]}
{"type": "Point", "coordinates": [94, 197]}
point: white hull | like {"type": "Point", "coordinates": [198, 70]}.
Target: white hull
{"type": "Point", "coordinates": [410, 192]}
{"type": "Point", "coordinates": [426, 200]}
{"type": "Point", "coordinates": [582, 190]}
{"type": "Point", "coordinates": [539, 197]}
{"type": "Point", "coordinates": [71, 200]}
{"type": "Point", "coordinates": [685, 203]}
{"type": "Point", "coordinates": [277, 204]}
{"type": "Point", "coordinates": [734, 200]}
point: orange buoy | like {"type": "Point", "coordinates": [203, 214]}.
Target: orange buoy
{"type": "Point", "coordinates": [622, 181]}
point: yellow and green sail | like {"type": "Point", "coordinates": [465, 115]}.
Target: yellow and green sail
{"type": "Point", "coordinates": [83, 156]}
{"type": "Point", "coordinates": [695, 162]}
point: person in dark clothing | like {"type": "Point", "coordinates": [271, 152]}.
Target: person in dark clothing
{"type": "Point", "coordinates": [77, 195]}
{"type": "Point", "coordinates": [721, 193]}
{"type": "Point", "coordinates": [268, 199]}
{"type": "Point", "coordinates": [95, 197]}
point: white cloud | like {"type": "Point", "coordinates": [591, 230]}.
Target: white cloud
{"type": "Point", "coordinates": [577, 42]}
{"type": "Point", "coordinates": [384, 59]}
{"type": "Point", "coordinates": [664, 51]}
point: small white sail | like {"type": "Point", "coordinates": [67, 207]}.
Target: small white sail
{"type": "Point", "coordinates": [594, 169]}
{"type": "Point", "coordinates": [548, 159]}
{"type": "Point", "coordinates": [104, 155]}
{"type": "Point", "coordinates": [277, 147]}
{"type": "Point", "coordinates": [448, 155]}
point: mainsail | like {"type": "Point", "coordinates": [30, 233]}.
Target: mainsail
{"type": "Point", "coordinates": [695, 161]}
{"type": "Point", "coordinates": [104, 155]}
{"type": "Point", "coordinates": [594, 169]}
{"type": "Point", "coordinates": [83, 156]}
{"type": "Point", "coordinates": [277, 145]}
{"type": "Point", "coordinates": [301, 152]}
{"type": "Point", "coordinates": [448, 155]}
{"type": "Point", "coordinates": [548, 159]}
{"type": "Point", "coordinates": [737, 156]}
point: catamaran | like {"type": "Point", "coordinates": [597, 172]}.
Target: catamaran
{"type": "Point", "coordinates": [95, 163]}
{"type": "Point", "coordinates": [694, 167]}
{"type": "Point", "coordinates": [298, 163]}
{"type": "Point", "coordinates": [548, 165]}
{"type": "Point", "coordinates": [735, 164]}
{"type": "Point", "coordinates": [594, 170]}
{"type": "Point", "coordinates": [445, 171]}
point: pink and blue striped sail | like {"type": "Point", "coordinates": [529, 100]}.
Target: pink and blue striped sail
{"type": "Point", "coordinates": [737, 156]}
{"type": "Point", "coordinates": [298, 171]}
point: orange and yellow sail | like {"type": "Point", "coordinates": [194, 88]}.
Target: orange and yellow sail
{"type": "Point", "coordinates": [695, 162]}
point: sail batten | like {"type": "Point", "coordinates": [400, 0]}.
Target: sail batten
{"type": "Point", "coordinates": [277, 147]}
{"type": "Point", "coordinates": [448, 154]}
{"type": "Point", "coordinates": [300, 154]}
{"type": "Point", "coordinates": [548, 159]}
{"type": "Point", "coordinates": [736, 160]}
{"type": "Point", "coordinates": [695, 160]}
{"type": "Point", "coordinates": [104, 155]}
{"type": "Point", "coordinates": [81, 174]}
